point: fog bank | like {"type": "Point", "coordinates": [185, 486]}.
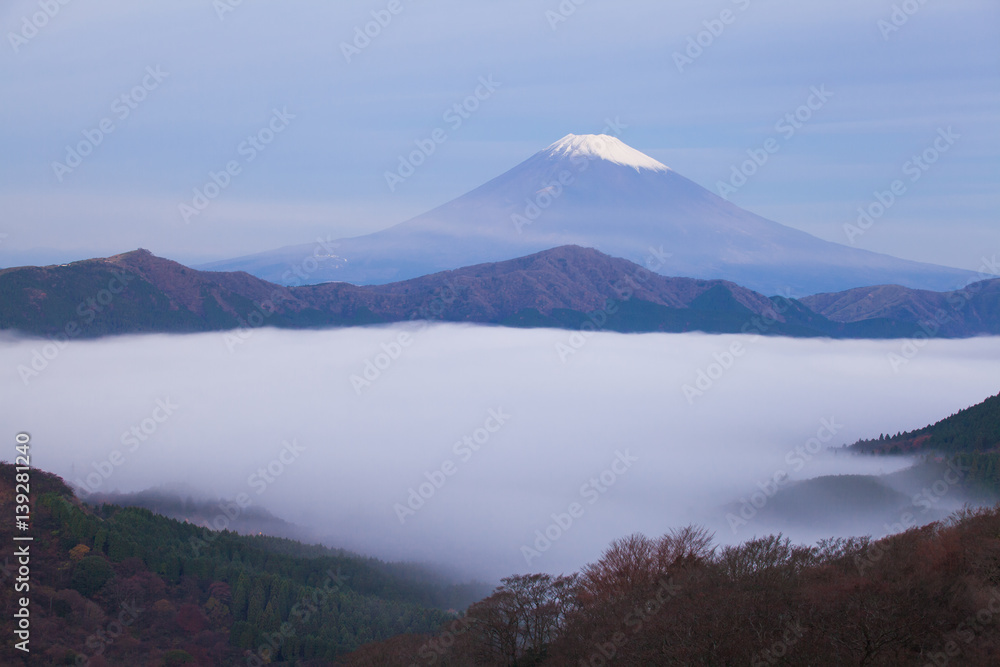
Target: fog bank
{"type": "Point", "coordinates": [455, 444]}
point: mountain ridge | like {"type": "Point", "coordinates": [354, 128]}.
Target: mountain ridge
{"type": "Point", "coordinates": [598, 192]}
{"type": "Point", "coordinates": [566, 287]}
{"type": "Point", "coordinates": [975, 306]}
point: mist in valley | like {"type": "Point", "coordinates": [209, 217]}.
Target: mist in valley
{"type": "Point", "coordinates": [494, 451]}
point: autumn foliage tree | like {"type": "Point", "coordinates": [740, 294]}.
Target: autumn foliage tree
{"type": "Point", "coordinates": [928, 596]}
{"type": "Point", "coordinates": [516, 624]}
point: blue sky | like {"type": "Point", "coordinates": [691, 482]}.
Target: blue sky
{"type": "Point", "coordinates": [896, 81]}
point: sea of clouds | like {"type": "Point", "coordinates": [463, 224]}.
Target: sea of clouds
{"type": "Point", "coordinates": [487, 449]}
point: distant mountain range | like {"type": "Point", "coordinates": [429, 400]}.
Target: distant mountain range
{"type": "Point", "coordinates": [962, 312]}
{"type": "Point", "coordinates": [597, 192]}
{"type": "Point", "coordinates": [565, 287]}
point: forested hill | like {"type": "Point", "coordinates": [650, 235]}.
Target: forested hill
{"type": "Point", "coordinates": [124, 586]}
{"type": "Point", "coordinates": [968, 439]}
{"type": "Point", "coordinates": [974, 429]}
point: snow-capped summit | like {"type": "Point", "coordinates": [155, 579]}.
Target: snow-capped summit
{"type": "Point", "coordinates": [596, 192]}
{"type": "Point", "coordinates": [604, 147]}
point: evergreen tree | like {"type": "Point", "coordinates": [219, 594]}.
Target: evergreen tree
{"type": "Point", "coordinates": [258, 600]}
{"type": "Point", "coordinates": [241, 597]}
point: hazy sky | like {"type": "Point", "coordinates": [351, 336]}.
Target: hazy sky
{"type": "Point", "coordinates": [199, 79]}
{"type": "Point", "coordinates": [210, 413]}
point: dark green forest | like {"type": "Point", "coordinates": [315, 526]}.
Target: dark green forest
{"type": "Point", "coordinates": [970, 438]}
{"type": "Point", "coordinates": [202, 597]}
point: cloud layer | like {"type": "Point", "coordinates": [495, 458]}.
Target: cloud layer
{"type": "Point", "coordinates": [456, 444]}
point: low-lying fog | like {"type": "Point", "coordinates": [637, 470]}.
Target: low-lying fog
{"type": "Point", "coordinates": [462, 442]}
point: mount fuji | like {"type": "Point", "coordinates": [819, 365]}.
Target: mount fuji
{"type": "Point", "coordinates": [595, 191]}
